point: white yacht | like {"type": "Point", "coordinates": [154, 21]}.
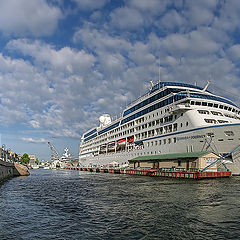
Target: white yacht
{"type": "Point", "coordinates": [170, 118]}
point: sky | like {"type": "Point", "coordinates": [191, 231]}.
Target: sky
{"type": "Point", "coordinates": [63, 63]}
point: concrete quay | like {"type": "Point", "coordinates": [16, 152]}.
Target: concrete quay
{"type": "Point", "coordinates": [10, 169]}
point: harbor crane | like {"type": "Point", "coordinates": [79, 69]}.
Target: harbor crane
{"type": "Point", "coordinates": [54, 152]}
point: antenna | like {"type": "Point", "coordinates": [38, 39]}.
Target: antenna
{"type": "Point", "coordinates": [159, 71]}
{"type": "Point", "coordinates": [152, 83]}
{"type": "Point", "coordinates": [205, 88]}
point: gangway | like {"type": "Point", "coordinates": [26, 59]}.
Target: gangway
{"type": "Point", "coordinates": [222, 158]}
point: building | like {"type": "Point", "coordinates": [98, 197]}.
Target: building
{"type": "Point", "coordinates": [177, 162]}
{"type": "Point", "coordinates": [32, 160]}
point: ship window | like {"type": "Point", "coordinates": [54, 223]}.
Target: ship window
{"type": "Point", "coordinates": [210, 120]}
{"type": "Point", "coordinates": [169, 140]}
{"type": "Point", "coordinates": [160, 142]}
{"type": "Point", "coordinates": [204, 103]}
{"type": "Point", "coordinates": [210, 104]}
{"type": "Point", "coordinates": [186, 124]}
{"type": "Point", "coordinates": [192, 103]}
{"type": "Point", "coordinates": [174, 140]}
{"type": "Point", "coordinates": [198, 103]}
{"type": "Point", "coordinates": [161, 130]}
{"type": "Point", "coordinates": [225, 107]}
{"type": "Point", "coordinates": [203, 111]}
{"type": "Point", "coordinates": [164, 141]}
{"type": "Point", "coordinates": [221, 106]}
{"type": "Point", "coordinates": [216, 113]}
{"type": "Point", "coordinates": [229, 133]}
{"type": "Point", "coordinates": [215, 105]}
{"type": "Point", "coordinates": [227, 115]}
{"type": "Point", "coordinates": [181, 124]}
{"type": "Point", "coordinates": [155, 143]}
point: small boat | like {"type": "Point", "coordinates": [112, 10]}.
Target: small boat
{"type": "Point", "coordinates": [111, 147]}
{"type": "Point", "coordinates": [102, 149]}
{"type": "Point", "coordinates": [35, 167]}
{"type": "Point", "coordinates": [122, 142]}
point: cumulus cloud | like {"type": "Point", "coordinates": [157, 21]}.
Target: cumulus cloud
{"type": "Point", "coordinates": [65, 59]}
{"type": "Point", "coordinates": [126, 18]}
{"type": "Point", "coordinates": [32, 140]}
{"type": "Point", "coordinates": [153, 6]}
{"type": "Point", "coordinates": [109, 60]}
{"type": "Point", "coordinates": [234, 52]}
{"type": "Point", "coordinates": [194, 43]}
{"type": "Point", "coordinates": [200, 12]}
{"type": "Point", "coordinates": [23, 17]}
{"type": "Point", "coordinates": [90, 4]}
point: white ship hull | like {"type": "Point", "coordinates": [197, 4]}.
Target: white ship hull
{"type": "Point", "coordinates": [196, 122]}
{"type": "Point", "coordinates": [194, 140]}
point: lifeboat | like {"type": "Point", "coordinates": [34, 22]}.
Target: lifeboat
{"type": "Point", "coordinates": [130, 140]}
{"type": "Point", "coordinates": [111, 147]}
{"type": "Point", "coordinates": [102, 149]}
{"type": "Point", "coordinates": [122, 142]}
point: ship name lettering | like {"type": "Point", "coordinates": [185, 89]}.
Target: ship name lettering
{"type": "Point", "coordinates": [190, 137]}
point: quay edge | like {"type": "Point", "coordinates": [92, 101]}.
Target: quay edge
{"type": "Point", "coordinates": [9, 170]}
{"type": "Point", "coordinates": [157, 173]}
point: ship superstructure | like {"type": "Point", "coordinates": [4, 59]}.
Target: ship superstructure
{"type": "Point", "coordinates": [171, 118]}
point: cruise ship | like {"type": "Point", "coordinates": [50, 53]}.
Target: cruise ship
{"type": "Point", "coordinates": [171, 117]}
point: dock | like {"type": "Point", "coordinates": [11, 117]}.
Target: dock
{"type": "Point", "coordinates": [166, 173]}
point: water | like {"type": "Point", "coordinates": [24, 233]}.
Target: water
{"type": "Point", "coordinates": [80, 205]}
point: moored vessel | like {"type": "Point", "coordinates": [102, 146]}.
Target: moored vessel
{"type": "Point", "coordinates": [171, 118]}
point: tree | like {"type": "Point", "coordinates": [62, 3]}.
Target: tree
{"type": "Point", "coordinates": [25, 158]}
{"type": "Point", "coordinates": [37, 162]}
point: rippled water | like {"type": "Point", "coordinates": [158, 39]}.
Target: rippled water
{"type": "Point", "coordinates": [80, 205]}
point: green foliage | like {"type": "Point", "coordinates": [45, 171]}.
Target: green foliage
{"type": "Point", "coordinates": [25, 158]}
